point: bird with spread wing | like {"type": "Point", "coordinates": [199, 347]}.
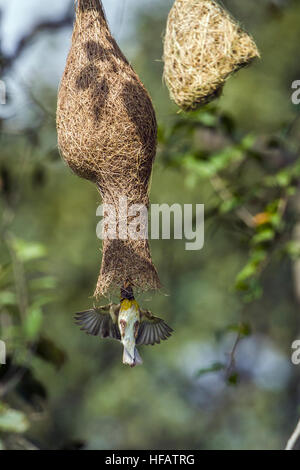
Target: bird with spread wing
{"type": "Point", "coordinates": [127, 323]}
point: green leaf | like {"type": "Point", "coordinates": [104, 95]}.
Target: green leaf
{"type": "Point", "coordinates": [228, 206]}
{"type": "Point", "coordinates": [255, 291]}
{"type": "Point", "coordinates": [243, 329]}
{"type": "Point", "coordinates": [205, 118]}
{"type": "Point", "coordinates": [275, 220]}
{"type": "Point", "coordinates": [291, 191]}
{"type": "Point", "coordinates": [12, 420]}
{"type": "Point", "coordinates": [283, 178]}
{"type": "Point", "coordinates": [248, 142]}
{"type": "Point", "coordinates": [251, 269]}
{"type": "Point", "coordinates": [233, 379]}
{"type": "Point", "coordinates": [216, 367]}
{"type": "Point", "coordinates": [216, 162]}
{"type": "Point", "coordinates": [258, 255]}
{"type": "Point", "coordinates": [7, 298]}
{"type": "Point", "coordinates": [263, 236]}
{"type": "Point", "coordinates": [42, 300]}
{"type": "Point", "coordinates": [292, 248]}
{"type": "Point", "coordinates": [46, 282]}
{"type": "Point", "coordinates": [27, 251]}
{"type": "Point", "coordinates": [33, 323]}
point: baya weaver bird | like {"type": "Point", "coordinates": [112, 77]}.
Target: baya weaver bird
{"type": "Point", "coordinates": [127, 323]}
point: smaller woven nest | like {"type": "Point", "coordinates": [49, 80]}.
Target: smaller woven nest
{"type": "Point", "coordinates": [203, 46]}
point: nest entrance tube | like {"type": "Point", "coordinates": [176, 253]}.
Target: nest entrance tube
{"type": "Point", "coordinates": [203, 46]}
{"type": "Point", "coordinates": [107, 134]}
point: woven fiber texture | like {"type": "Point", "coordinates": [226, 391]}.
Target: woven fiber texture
{"type": "Point", "coordinates": [203, 46]}
{"type": "Point", "coordinates": [107, 134]}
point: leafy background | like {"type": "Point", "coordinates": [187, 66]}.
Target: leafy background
{"type": "Point", "coordinates": [225, 379]}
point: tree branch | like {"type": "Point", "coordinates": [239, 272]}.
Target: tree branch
{"type": "Point", "coordinates": [25, 41]}
{"type": "Point", "coordinates": [242, 212]}
{"type": "Point", "coordinates": [294, 438]}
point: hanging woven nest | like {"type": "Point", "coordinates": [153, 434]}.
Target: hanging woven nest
{"type": "Point", "coordinates": [107, 134]}
{"type": "Point", "coordinates": [203, 46]}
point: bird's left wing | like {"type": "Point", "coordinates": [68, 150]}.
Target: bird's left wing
{"type": "Point", "coordinates": [102, 321]}
{"type": "Point", "coordinates": [152, 329]}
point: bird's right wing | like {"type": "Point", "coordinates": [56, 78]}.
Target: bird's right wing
{"type": "Point", "coordinates": [152, 329]}
{"type": "Point", "coordinates": [102, 321]}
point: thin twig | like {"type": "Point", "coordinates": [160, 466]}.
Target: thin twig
{"type": "Point", "coordinates": [12, 382]}
{"type": "Point", "coordinates": [242, 212]}
{"type": "Point", "coordinates": [231, 364]}
{"type": "Point", "coordinates": [19, 276]}
{"type": "Point", "coordinates": [294, 438]}
{"type": "Point", "coordinates": [44, 26]}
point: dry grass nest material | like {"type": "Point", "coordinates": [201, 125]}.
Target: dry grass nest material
{"type": "Point", "coordinates": [107, 134]}
{"type": "Point", "coordinates": [203, 46]}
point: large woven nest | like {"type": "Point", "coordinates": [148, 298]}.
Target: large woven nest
{"type": "Point", "coordinates": [107, 134]}
{"type": "Point", "coordinates": [203, 46]}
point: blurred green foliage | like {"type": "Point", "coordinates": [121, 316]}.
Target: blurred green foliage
{"type": "Point", "coordinates": [224, 380]}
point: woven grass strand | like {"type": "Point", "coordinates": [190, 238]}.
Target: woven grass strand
{"type": "Point", "coordinates": [107, 134]}
{"type": "Point", "coordinates": [203, 46]}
